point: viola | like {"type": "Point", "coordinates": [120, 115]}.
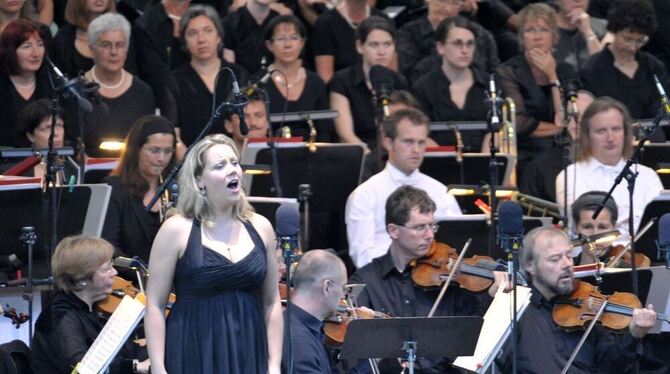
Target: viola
{"type": "Point", "coordinates": [434, 268]}
{"type": "Point", "coordinates": [620, 256]}
{"type": "Point", "coordinates": [574, 312]}
{"type": "Point", "coordinates": [335, 327]}
{"type": "Point", "coordinates": [121, 288]}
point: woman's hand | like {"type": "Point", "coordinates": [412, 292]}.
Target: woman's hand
{"type": "Point", "coordinates": [543, 61]}
{"type": "Point", "coordinates": [581, 20]}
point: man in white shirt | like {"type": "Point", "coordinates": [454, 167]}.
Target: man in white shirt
{"type": "Point", "coordinates": [604, 145]}
{"type": "Point", "coordinates": [405, 135]}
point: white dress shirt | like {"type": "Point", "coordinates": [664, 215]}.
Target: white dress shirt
{"type": "Point", "coordinates": [365, 213]}
{"type": "Point", "coordinates": [592, 175]}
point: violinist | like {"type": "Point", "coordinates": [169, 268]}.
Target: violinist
{"type": "Point", "coordinates": [68, 325]}
{"type": "Point", "coordinates": [389, 288]}
{"type": "Point", "coordinates": [543, 347]}
{"type": "Point", "coordinates": [585, 226]}
{"type": "Point", "coordinates": [318, 281]}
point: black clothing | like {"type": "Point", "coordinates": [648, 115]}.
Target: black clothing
{"type": "Point", "coordinates": [309, 354]}
{"type": "Point", "coordinates": [12, 103]}
{"type": "Point", "coordinates": [540, 175]}
{"type": "Point", "coordinates": [571, 46]}
{"type": "Point", "coordinates": [602, 78]}
{"type": "Point", "coordinates": [64, 331]}
{"type": "Point", "coordinates": [127, 225]}
{"type": "Point", "coordinates": [314, 97]}
{"type": "Point", "coordinates": [334, 36]}
{"type": "Point", "coordinates": [543, 347]}
{"type": "Point", "coordinates": [113, 118]}
{"type": "Point", "coordinates": [158, 51]}
{"type": "Point", "coordinates": [350, 83]}
{"type": "Point", "coordinates": [190, 101]}
{"type": "Point", "coordinates": [432, 91]}
{"type": "Point", "coordinates": [417, 54]}
{"type": "Point", "coordinates": [245, 37]}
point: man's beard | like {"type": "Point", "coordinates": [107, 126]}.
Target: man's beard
{"type": "Point", "coordinates": [558, 287]}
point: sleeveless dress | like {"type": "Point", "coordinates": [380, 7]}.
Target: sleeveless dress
{"type": "Point", "coordinates": [217, 324]}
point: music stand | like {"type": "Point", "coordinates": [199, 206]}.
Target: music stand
{"type": "Point", "coordinates": [392, 338]}
{"type": "Point", "coordinates": [298, 166]}
{"type": "Point", "coordinates": [303, 116]}
{"type": "Point", "coordinates": [444, 167]}
{"type": "Point", "coordinates": [646, 244]}
{"type": "Point", "coordinates": [455, 231]}
{"type": "Point", "coordinates": [654, 155]}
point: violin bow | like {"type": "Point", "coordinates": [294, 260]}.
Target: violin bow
{"type": "Point", "coordinates": [451, 275]}
{"type": "Point", "coordinates": [615, 261]}
{"type": "Point", "coordinates": [584, 337]}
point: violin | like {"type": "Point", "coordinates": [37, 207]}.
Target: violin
{"type": "Point", "coordinates": [620, 256]}
{"type": "Point", "coordinates": [574, 312]}
{"type": "Point", "coordinates": [283, 291]}
{"type": "Point", "coordinates": [434, 268]}
{"type": "Point", "coordinates": [335, 327]}
{"type": "Point", "coordinates": [121, 288]}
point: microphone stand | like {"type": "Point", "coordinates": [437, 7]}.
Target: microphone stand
{"type": "Point", "coordinates": [564, 140]}
{"type": "Point", "coordinates": [28, 238]}
{"type": "Point", "coordinates": [271, 142]}
{"type": "Point", "coordinates": [287, 245]}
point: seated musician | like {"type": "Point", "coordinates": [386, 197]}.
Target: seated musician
{"type": "Point", "coordinates": [605, 142]}
{"type": "Point", "coordinates": [410, 222]}
{"type": "Point", "coordinates": [68, 325]}
{"type": "Point", "coordinates": [318, 281]}
{"type": "Point", "coordinates": [584, 224]}
{"type": "Point", "coordinates": [543, 347]}
{"type": "Point", "coordinates": [256, 118]}
{"type": "Point", "coordinates": [405, 136]}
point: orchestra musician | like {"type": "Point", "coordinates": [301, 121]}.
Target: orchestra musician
{"type": "Point", "coordinates": [543, 347]}
{"type": "Point", "coordinates": [318, 281]}
{"type": "Point", "coordinates": [405, 136]}
{"type": "Point", "coordinates": [585, 225]}
{"type": "Point", "coordinates": [68, 325]}
{"type": "Point", "coordinates": [256, 117]}
{"type": "Point", "coordinates": [410, 223]}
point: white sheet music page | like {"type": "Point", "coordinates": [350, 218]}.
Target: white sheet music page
{"type": "Point", "coordinates": [112, 337]}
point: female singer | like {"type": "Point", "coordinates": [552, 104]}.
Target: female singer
{"type": "Point", "coordinates": [125, 96]}
{"type": "Point", "coordinates": [23, 77]}
{"type": "Point", "coordinates": [294, 88]}
{"type": "Point", "coordinates": [350, 88]}
{"type": "Point", "coordinates": [220, 256]}
{"type": "Point", "coordinates": [149, 152]}
{"type": "Point", "coordinates": [68, 325]}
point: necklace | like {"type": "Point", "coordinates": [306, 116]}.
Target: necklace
{"type": "Point", "coordinates": [281, 80]}
{"type": "Point", "coordinates": [23, 86]}
{"type": "Point", "coordinates": [109, 87]}
{"type": "Point", "coordinates": [172, 16]}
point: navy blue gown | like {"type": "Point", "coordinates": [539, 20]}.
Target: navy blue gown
{"type": "Point", "coordinates": [217, 324]}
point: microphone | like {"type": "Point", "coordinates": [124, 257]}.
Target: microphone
{"type": "Point", "coordinates": [129, 263]}
{"type": "Point", "coordinates": [664, 97]}
{"type": "Point", "coordinates": [663, 242]}
{"type": "Point", "coordinates": [571, 90]}
{"type": "Point", "coordinates": [494, 122]}
{"type": "Point", "coordinates": [382, 84]}
{"type": "Point", "coordinates": [71, 88]}
{"type": "Point", "coordinates": [250, 90]}
{"type": "Point", "coordinates": [239, 102]}
{"type": "Point", "coordinates": [510, 230]}
{"type": "Point", "coordinates": [287, 219]}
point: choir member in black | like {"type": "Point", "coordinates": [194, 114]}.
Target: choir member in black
{"type": "Point", "coordinates": [13, 10]}
{"type": "Point", "coordinates": [23, 75]}
{"type": "Point", "coordinates": [335, 37]}
{"type": "Point", "coordinates": [416, 41]}
{"type": "Point", "coordinates": [621, 70]}
{"type": "Point", "coordinates": [580, 35]}
{"type": "Point", "coordinates": [295, 88]}
{"type": "Point", "coordinates": [67, 326]}
{"type": "Point", "coordinates": [543, 347]}
{"type": "Point", "coordinates": [256, 118]}
{"type": "Point", "coordinates": [192, 94]}
{"type": "Point", "coordinates": [531, 80]}
{"type": "Point", "coordinates": [123, 96]}
{"type": "Point", "coordinates": [585, 225]}
{"type": "Point", "coordinates": [159, 50]}
{"type": "Point", "coordinates": [71, 51]}
{"type": "Point", "coordinates": [389, 287]}
{"type": "Point", "coordinates": [456, 89]}
{"type": "Point", "coordinates": [350, 88]}
{"type": "Point", "coordinates": [149, 152]}
{"type": "Point", "coordinates": [318, 281]}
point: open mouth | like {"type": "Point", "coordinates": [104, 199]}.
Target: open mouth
{"type": "Point", "coordinates": [233, 184]}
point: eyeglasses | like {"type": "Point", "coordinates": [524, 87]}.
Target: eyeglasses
{"type": "Point", "coordinates": [109, 46]}
{"type": "Point", "coordinates": [423, 228]}
{"type": "Point", "coordinates": [460, 44]}
{"type": "Point", "coordinates": [283, 39]}
{"type": "Point", "coordinates": [157, 150]}
{"type": "Point", "coordinates": [337, 285]}
{"type": "Point", "coordinates": [634, 42]}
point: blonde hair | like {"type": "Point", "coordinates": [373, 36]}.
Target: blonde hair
{"type": "Point", "coordinates": [191, 203]}
{"type": "Point", "coordinates": [77, 258]}
{"type": "Point", "coordinates": [538, 11]}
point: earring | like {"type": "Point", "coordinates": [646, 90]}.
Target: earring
{"type": "Point", "coordinates": [82, 284]}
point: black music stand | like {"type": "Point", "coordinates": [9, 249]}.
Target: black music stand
{"type": "Point", "coordinates": [391, 338]}
{"type": "Point", "coordinates": [646, 244]}
{"type": "Point", "coordinates": [455, 231]}
{"type": "Point", "coordinates": [333, 171]}
{"type": "Point", "coordinates": [444, 167]}
{"type": "Point", "coordinates": [468, 133]}
{"type": "Point", "coordinates": [655, 154]}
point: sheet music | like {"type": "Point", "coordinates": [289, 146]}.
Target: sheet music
{"type": "Point", "coordinates": [115, 333]}
{"type": "Point", "coordinates": [496, 328]}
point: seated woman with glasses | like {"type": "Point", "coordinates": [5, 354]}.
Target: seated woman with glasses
{"type": "Point", "coordinates": [454, 90]}
{"type": "Point", "coordinates": [622, 70]}
{"type": "Point", "coordinates": [149, 152]}
{"type": "Point", "coordinates": [123, 96]}
{"type": "Point", "coordinates": [67, 326]}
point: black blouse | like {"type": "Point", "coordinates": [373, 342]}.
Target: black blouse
{"type": "Point", "coordinates": [245, 37]}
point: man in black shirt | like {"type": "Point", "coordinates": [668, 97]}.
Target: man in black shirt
{"type": "Point", "coordinates": [543, 347]}
{"type": "Point", "coordinates": [319, 285]}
